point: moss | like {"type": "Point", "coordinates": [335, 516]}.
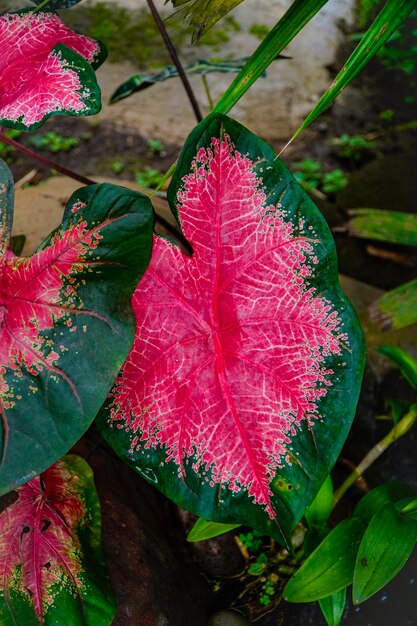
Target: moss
{"type": "Point", "coordinates": [133, 35]}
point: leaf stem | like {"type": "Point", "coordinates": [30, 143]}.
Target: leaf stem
{"type": "Point", "coordinates": [175, 59]}
{"type": "Point", "coordinates": [208, 92]}
{"type": "Point", "coordinates": [47, 162]}
{"type": "Point", "coordinates": [40, 6]}
{"type": "Point", "coordinates": [399, 430]}
{"type": "Point", "coordinates": [88, 181]}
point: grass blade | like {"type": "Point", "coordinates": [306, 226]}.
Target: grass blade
{"type": "Point", "coordinates": [384, 26]}
{"type": "Point", "coordinates": [297, 16]}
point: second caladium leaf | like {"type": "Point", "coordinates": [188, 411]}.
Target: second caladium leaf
{"type": "Point", "coordinates": [242, 382]}
{"type": "Point", "coordinates": [45, 69]}
{"type": "Point", "coordinates": [51, 560]}
{"type": "Point", "coordinates": [66, 322]}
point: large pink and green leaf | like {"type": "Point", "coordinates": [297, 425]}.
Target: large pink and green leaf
{"type": "Point", "coordinates": [242, 382]}
{"type": "Point", "coordinates": [45, 69]}
{"type": "Point", "coordinates": [51, 561]}
{"type": "Point", "coordinates": [66, 322]}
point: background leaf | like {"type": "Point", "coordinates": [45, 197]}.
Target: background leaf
{"type": "Point", "coordinates": [203, 15]}
{"type": "Point", "coordinates": [406, 363]}
{"type": "Point", "coordinates": [48, 70]}
{"type": "Point", "coordinates": [66, 322]}
{"type": "Point", "coordinates": [393, 14]}
{"type": "Point", "coordinates": [203, 529]}
{"type": "Point", "coordinates": [329, 569]}
{"type": "Point", "coordinates": [380, 225]}
{"type": "Point", "coordinates": [138, 82]}
{"type": "Point", "coordinates": [212, 410]}
{"type": "Point", "coordinates": [384, 549]}
{"type": "Point", "coordinates": [51, 559]}
{"type": "Point", "coordinates": [396, 308]}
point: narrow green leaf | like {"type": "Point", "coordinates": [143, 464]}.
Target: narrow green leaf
{"type": "Point", "coordinates": [203, 529]}
{"type": "Point", "coordinates": [319, 510]}
{"type": "Point", "coordinates": [390, 226]}
{"type": "Point", "coordinates": [297, 16]}
{"type": "Point", "coordinates": [330, 567]}
{"type": "Point", "coordinates": [405, 362]}
{"type": "Point", "coordinates": [410, 508]}
{"type": "Point", "coordinates": [384, 495]}
{"type": "Point", "coordinates": [396, 308]}
{"type": "Point", "coordinates": [385, 24]}
{"type": "Point", "coordinates": [333, 607]}
{"type": "Point", "coordinates": [138, 82]}
{"type": "Point", "coordinates": [384, 549]}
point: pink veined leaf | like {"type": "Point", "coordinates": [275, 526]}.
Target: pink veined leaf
{"type": "Point", "coordinates": [46, 535]}
{"type": "Point", "coordinates": [73, 292]}
{"type": "Point", "coordinates": [240, 349]}
{"type": "Point", "coordinates": [45, 69]}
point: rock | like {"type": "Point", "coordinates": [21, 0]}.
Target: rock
{"type": "Point", "coordinates": [228, 618]}
{"type": "Point", "coordinates": [155, 581]}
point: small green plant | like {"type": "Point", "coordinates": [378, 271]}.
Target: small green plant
{"type": "Point", "coordinates": [252, 541]}
{"type": "Point", "coordinates": [309, 173]}
{"type": "Point", "coordinates": [334, 181]}
{"type": "Point", "coordinates": [259, 30]}
{"type": "Point", "coordinates": [156, 147]}
{"type": "Point", "coordinates": [148, 177]}
{"type": "Point", "coordinates": [117, 166]}
{"type": "Point", "coordinates": [53, 142]}
{"type": "Point", "coordinates": [5, 150]}
{"type": "Point", "coordinates": [353, 147]}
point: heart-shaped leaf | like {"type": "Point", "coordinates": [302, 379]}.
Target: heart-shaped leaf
{"type": "Point", "coordinates": [45, 69]}
{"type": "Point", "coordinates": [66, 323]}
{"type": "Point", "coordinates": [51, 561]}
{"type": "Point", "coordinates": [243, 379]}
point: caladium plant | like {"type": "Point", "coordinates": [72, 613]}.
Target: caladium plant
{"type": "Point", "coordinates": [45, 69]}
{"type": "Point", "coordinates": [51, 562]}
{"type": "Point", "coordinates": [66, 322]}
{"type": "Point", "coordinates": [243, 379]}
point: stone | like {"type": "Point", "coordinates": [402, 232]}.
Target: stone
{"type": "Point", "coordinates": [228, 618]}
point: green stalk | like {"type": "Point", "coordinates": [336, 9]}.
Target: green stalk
{"type": "Point", "coordinates": [399, 430]}
{"type": "Point", "coordinates": [208, 92]}
{"type": "Point", "coordinates": [40, 6]}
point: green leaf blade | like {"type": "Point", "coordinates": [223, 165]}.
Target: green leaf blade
{"type": "Point", "coordinates": [333, 607]}
{"type": "Point", "coordinates": [385, 24]}
{"type": "Point", "coordinates": [384, 550]}
{"type": "Point", "coordinates": [204, 529]}
{"type": "Point", "coordinates": [330, 568]}
{"type": "Point", "coordinates": [297, 16]}
{"type": "Point", "coordinates": [404, 360]}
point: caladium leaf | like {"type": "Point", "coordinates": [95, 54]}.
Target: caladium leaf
{"type": "Point", "coordinates": [51, 561]}
{"type": "Point", "coordinates": [45, 69]}
{"type": "Point", "coordinates": [242, 382]}
{"type": "Point", "coordinates": [66, 322]}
